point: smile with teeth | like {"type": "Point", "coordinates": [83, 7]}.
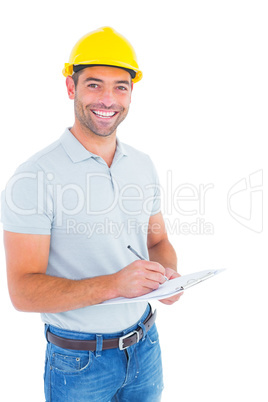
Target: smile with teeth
{"type": "Point", "coordinates": [104, 115]}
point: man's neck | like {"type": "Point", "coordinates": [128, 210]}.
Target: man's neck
{"type": "Point", "coordinates": [104, 147]}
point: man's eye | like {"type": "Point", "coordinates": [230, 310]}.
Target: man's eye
{"type": "Point", "coordinates": [93, 85]}
{"type": "Point", "coordinates": [122, 88]}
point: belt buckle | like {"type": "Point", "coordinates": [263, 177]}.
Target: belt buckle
{"type": "Point", "coordinates": [122, 338]}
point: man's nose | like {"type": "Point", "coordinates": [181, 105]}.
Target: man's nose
{"type": "Point", "coordinates": [107, 98]}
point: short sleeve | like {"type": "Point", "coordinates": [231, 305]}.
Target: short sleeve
{"type": "Point", "coordinates": [156, 207]}
{"type": "Point", "coordinates": [26, 202]}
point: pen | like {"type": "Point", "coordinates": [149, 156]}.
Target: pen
{"type": "Point", "coordinates": [141, 257]}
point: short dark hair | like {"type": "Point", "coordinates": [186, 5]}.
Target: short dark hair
{"type": "Point", "coordinates": [75, 77]}
{"type": "Point", "coordinates": [79, 68]}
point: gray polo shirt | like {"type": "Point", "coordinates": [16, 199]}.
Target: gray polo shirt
{"type": "Point", "coordinates": [92, 213]}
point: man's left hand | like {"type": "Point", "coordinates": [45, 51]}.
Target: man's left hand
{"type": "Point", "coordinates": [171, 274]}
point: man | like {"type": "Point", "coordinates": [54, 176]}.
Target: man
{"type": "Point", "coordinates": [69, 214]}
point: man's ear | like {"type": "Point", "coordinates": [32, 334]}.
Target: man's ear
{"type": "Point", "coordinates": [70, 87]}
{"type": "Point", "coordinates": [132, 85]}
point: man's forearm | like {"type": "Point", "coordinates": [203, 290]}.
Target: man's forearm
{"type": "Point", "coordinates": [38, 292]}
{"type": "Point", "coordinates": [164, 253]}
{"type": "Point", "coordinates": [43, 293]}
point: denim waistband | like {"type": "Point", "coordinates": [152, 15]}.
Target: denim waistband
{"type": "Point", "coordinates": [64, 333]}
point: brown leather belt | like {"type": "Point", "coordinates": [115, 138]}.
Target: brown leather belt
{"type": "Point", "coordinates": [122, 343]}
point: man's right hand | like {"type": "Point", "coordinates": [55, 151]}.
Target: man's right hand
{"type": "Point", "coordinates": [139, 278]}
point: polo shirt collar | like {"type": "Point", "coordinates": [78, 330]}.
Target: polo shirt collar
{"type": "Point", "coordinates": [121, 147]}
{"type": "Point", "coordinates": [78, 153]}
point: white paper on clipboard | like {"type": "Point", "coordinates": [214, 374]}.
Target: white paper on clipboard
{"type": "Point", "coordinates": [169, 288]}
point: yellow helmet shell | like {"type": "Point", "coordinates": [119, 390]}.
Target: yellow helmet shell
{"type": "Point", "coordinates": [104, 46]}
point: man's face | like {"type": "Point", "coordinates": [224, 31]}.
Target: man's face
{"type": "Point", "coordinates": [102, 98]}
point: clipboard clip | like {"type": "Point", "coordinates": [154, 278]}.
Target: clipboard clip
{"type": "Point", "coordinates": [192, 282]}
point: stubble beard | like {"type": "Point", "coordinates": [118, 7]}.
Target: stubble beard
{"type": "Point", "coordinates": [83, 114]}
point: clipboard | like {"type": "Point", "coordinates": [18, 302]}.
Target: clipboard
{"type": "Point", "coordinates": [169, 288]}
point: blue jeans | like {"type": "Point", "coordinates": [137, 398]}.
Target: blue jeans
{"type": "Point", "coordinates": [133, 374]}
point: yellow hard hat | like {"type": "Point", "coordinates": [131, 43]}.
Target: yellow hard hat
{"type": "Point", "coordinates": [105, 47]}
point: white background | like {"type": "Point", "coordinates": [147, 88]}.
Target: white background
{"type": "Point", "coordinates": [201, 113]}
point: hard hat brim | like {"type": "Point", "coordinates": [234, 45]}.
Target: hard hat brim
{"type": "Point", "coordinates": [69, 68]}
